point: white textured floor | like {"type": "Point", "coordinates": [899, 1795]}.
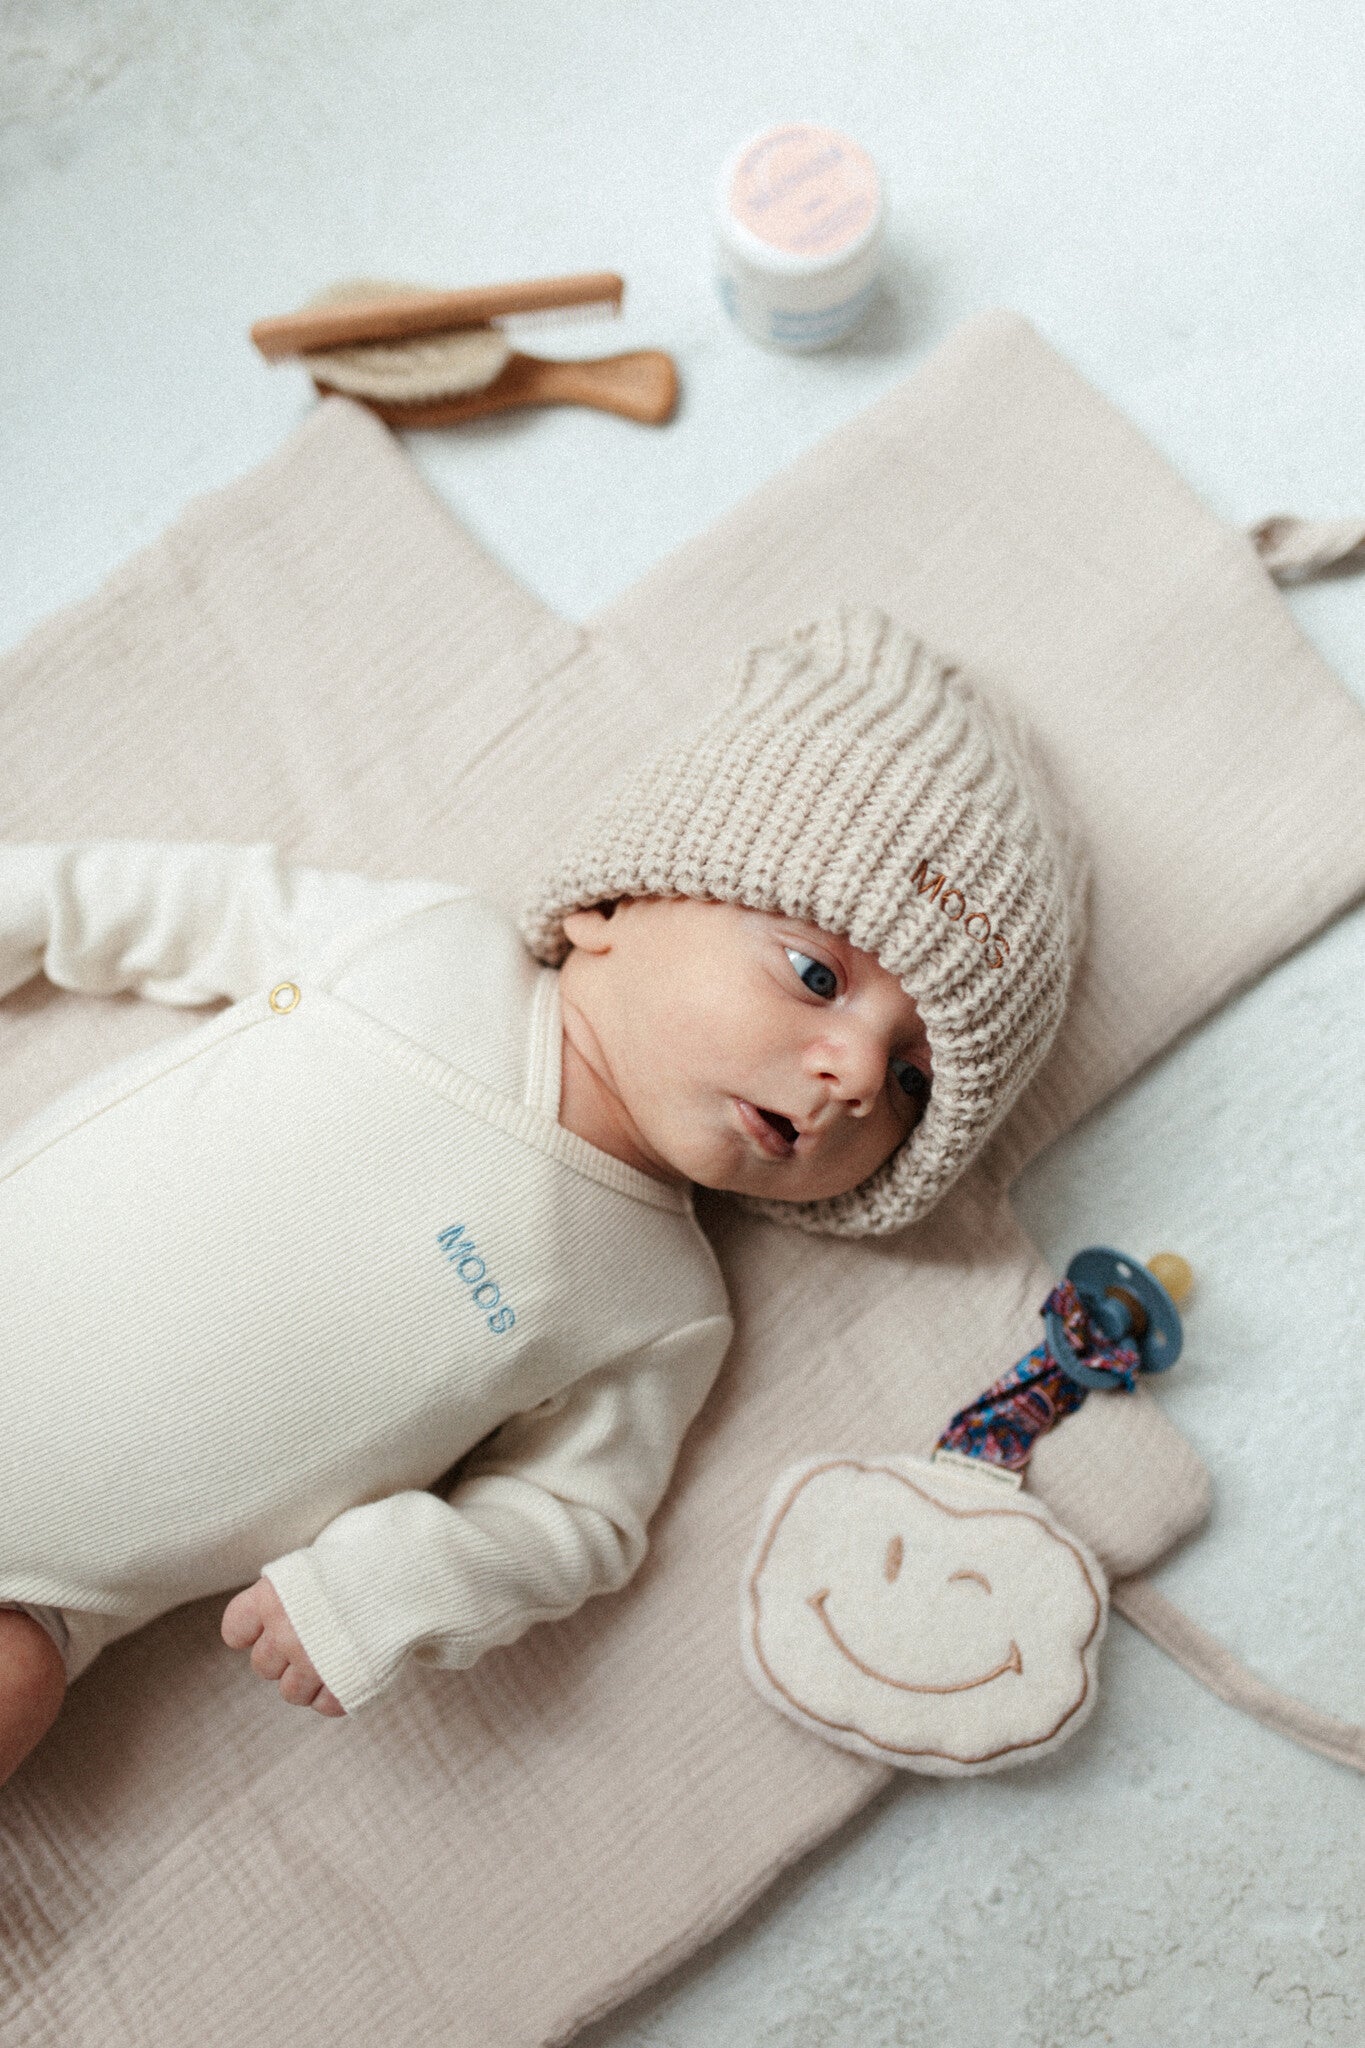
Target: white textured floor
{"type": "Point", "coordinates": [1173, 194]}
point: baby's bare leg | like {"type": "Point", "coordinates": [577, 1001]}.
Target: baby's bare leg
{"type": "Point", "coordinates": [32, 1686]}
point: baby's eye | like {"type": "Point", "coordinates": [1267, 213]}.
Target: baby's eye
{"type": "Point", "coordinates": [913, 1080]}
{"type": "Point", "coordinates": [819, 979]}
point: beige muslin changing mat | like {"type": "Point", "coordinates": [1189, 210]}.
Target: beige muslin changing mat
{"type": "Point", "coordinates": [320, 655]}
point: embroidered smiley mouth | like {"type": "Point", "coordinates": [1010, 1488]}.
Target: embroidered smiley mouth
{"type": "Point", "coordinates": [1013, 1662]}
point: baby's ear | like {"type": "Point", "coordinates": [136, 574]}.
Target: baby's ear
{"type": "Point", "coordinates": [589, 930]}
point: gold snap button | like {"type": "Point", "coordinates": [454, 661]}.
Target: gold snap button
{"type": "Point", "coordinates": [285, 998]}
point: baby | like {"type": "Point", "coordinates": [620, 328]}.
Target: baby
{"type": "Point", "coordinates": [380, 1292]}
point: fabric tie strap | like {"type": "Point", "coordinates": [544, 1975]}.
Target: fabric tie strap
{"type": "Point", "coordinates": [1206, 1659]}
{"type": "Point", "coordinates": [1296, 550]}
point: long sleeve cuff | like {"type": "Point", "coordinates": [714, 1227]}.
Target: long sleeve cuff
{"type": "Point", "coordinates": [444, 1580]}
{"type": "Point", "coordinates": [181, 924]}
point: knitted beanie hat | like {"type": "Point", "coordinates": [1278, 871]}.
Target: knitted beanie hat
{"type": "Point", "coordinates": [856, 782]}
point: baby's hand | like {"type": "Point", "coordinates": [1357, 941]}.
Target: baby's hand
{"type": "Point", "coordinates": [257, 1617]}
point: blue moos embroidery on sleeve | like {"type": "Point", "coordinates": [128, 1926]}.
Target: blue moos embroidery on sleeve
{"type": "Point", "coordinates": [463, 1254]}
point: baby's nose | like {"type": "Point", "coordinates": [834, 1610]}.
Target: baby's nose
{"type": "Point", "coordinates": [853, 1066]}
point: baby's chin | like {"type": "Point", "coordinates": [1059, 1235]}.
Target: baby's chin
{"type": "Point", "coordinates": [785, 1180]}
{"type": "Point", "coordinates": [776, 1189]}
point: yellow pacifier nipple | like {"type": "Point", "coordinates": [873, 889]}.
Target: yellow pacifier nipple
{"type": "Point", "coordinates": [1173, 1273]}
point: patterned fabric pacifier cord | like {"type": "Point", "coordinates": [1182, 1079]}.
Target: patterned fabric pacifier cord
{"type": "Point", "coordinates": [1001, 1425]}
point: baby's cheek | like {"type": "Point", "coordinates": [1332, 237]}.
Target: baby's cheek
{"type": "Point", "coordinates": [709, 1153]}
{"type": "Point", "coordinates": [870, 1144]}
{"type": "Point", "coordinates": [686, 1130]}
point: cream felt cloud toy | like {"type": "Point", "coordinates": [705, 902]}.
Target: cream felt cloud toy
{"type": "Point", "coordinates": [922, 1615]}
{"type": "Point", "coordinates": [929, 1613]}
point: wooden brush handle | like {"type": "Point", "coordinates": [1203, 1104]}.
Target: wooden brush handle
{"type": "Point", "coordinates": [399, 318]}
{"type": "Point", "coordinates": [641, 385]}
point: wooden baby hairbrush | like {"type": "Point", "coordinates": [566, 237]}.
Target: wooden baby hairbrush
{"type": "Point", "coordinates": [641, 385]}
{"type": "Point", "coordinates": [421, 358]}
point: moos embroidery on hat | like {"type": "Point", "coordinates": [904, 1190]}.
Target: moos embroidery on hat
{"type": "Point", "coordinates": [859, 782]}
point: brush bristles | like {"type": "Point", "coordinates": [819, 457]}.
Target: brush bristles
{"type": "Point", "coordinates": [557, 316]}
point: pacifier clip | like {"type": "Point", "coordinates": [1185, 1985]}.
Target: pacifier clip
{"type": "Point", "coordinates": [932, 1614]}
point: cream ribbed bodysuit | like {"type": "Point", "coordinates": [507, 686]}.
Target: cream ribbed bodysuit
{"type": "Point", "coordinates": [264, 1285]}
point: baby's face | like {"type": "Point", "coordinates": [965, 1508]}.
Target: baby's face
{"type": "Point", "coordinates": [741, 1049]}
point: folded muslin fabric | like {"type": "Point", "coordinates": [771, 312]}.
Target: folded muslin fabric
{"type": "Point", "coordinates": [321, 657]}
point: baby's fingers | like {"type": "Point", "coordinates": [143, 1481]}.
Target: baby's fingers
{"type": "Point", "coordinates": [268, 1660]}
{"type": "Point", "coordinates": [241, 1624]}
{"type": "Point", "coordinates": [255, 1620]}
{"type": "Point", "coordinates": [300, 1685]}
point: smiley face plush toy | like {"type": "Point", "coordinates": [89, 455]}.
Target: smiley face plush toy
{"type": "Point", "coordinates": [926, 1614]}
{"type": "Point", "coordinates": [929, 1613]}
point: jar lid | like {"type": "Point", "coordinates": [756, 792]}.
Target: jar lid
{"type": "Point", "coordinates": [799, 198]}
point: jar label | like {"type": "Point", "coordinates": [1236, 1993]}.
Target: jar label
{"type": "Point", "coordinates": [806, 191]}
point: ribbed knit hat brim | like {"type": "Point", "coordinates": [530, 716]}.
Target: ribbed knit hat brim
{"type": "Point", "coordinates": [857, 782]}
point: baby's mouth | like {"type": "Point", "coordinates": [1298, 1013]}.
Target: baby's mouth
{"type": "Point", "coordinates": [783, 1125]}
{"type": "Point", "coordinates": [775, 1133]}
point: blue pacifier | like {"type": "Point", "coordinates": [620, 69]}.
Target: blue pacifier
{"type": "Point", "coordinates": [1131, 1303]}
